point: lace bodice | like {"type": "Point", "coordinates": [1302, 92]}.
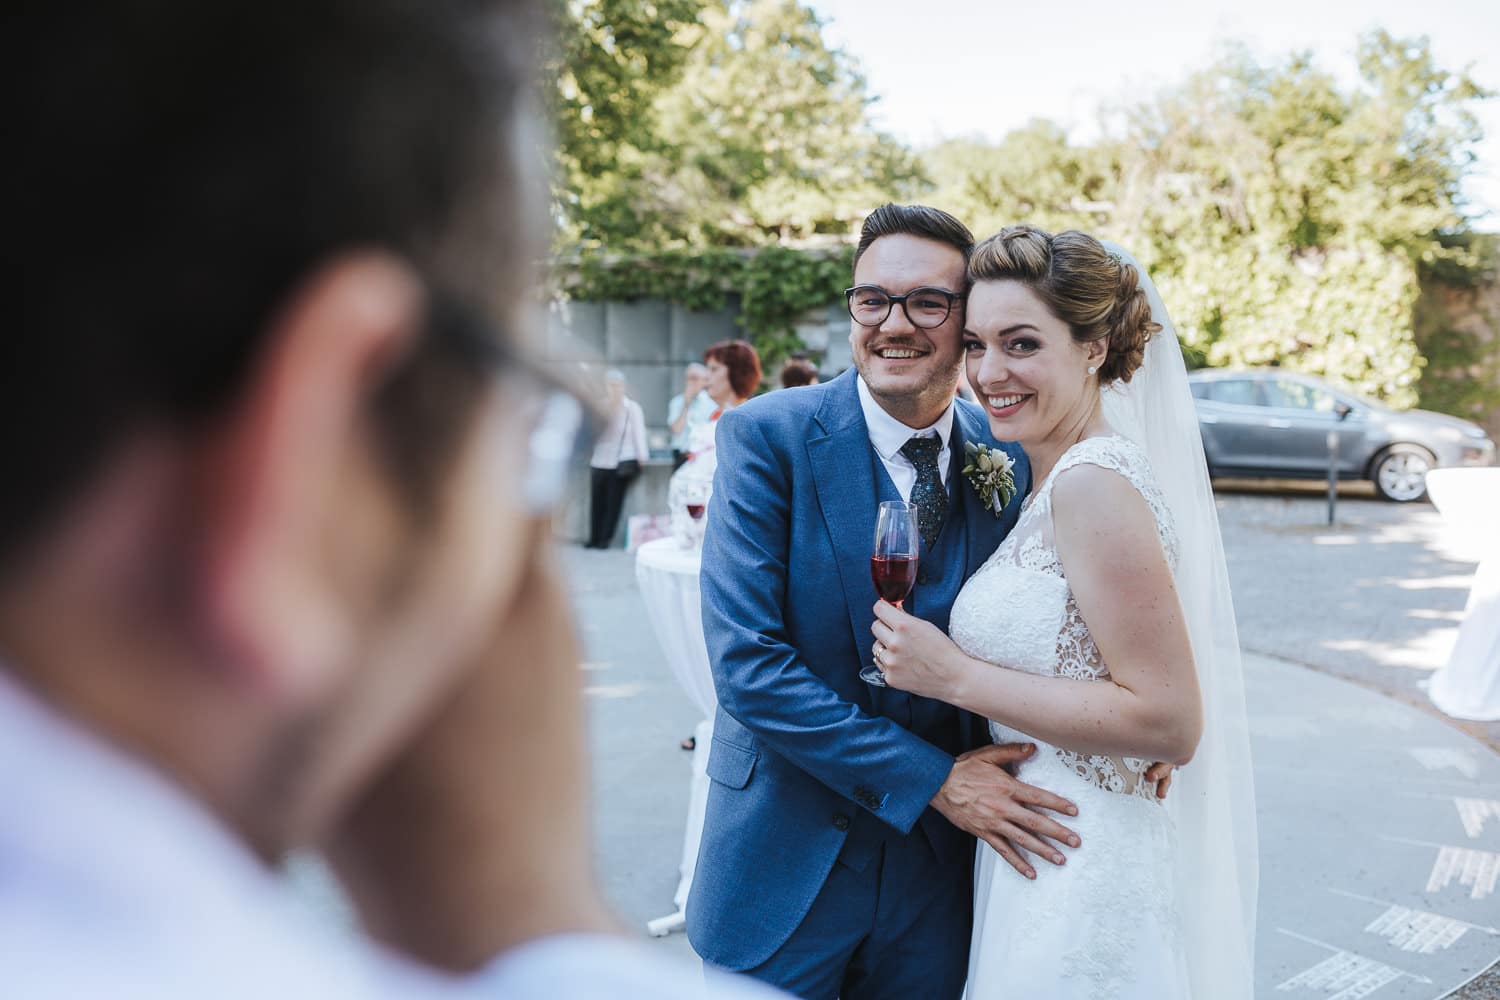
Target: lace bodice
{"type": "Point", "coordinates": [1018, 611]}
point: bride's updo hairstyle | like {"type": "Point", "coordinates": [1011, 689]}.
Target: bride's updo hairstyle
{"type": "Point", "coordinates": [1083, 284]}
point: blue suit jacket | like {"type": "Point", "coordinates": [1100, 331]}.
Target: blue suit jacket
{"type": "Point", "coordinates": [802, 745]}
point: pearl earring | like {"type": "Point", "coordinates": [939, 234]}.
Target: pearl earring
{"type": "Point", "coordinates": [1093, 368]}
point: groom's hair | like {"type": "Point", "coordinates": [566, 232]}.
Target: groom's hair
{"type": "Point", "coordinates": [921, 221]}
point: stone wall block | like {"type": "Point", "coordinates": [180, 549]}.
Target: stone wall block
{"type": "Point", "coordinates": [695, 331]}
{"type": "Point", "coordinates": [575, 331]}
{"type": "Point", "coordinates": [638, 331]}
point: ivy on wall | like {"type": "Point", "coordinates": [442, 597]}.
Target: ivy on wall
{"type": "Point", "coordinates": [774, 287]}
{"type": "Point", "coordinates": [1457, 324]}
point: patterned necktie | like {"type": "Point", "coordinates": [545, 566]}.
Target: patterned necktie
{"type": "Point", "coordinates": [928, 493]}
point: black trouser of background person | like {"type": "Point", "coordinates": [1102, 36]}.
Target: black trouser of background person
{"type": "Point", "coordinates": [606, 500]}
{"type": "Point", "coordinates": [678, 457]}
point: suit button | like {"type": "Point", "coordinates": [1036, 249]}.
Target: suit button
{"type": "Point", "coordinates": [922, 577]}
{"type": "Point", "coordinates": [840, 821]}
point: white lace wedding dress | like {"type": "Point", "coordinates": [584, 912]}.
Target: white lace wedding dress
{"type": "Point", "coordinates": [1106, 924]}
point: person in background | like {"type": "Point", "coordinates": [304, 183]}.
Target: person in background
{"type": "Point", "coordinates": [688, 410]}
{"type": "Point", "coordinates": [733, 376]}
{"type": "Point", "coordinates": [616, 462]}
{"type": "Point", "coordinates": [798, 371]}
{"type": "Point", "coordinates": [275, 559]}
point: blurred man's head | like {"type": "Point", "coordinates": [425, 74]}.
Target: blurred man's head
{"type": "Point", "coordinates": [695, 378]}
{"type": "Point", "coordinates": [257, 463]}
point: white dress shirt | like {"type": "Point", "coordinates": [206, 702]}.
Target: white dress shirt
{"type": "Point", "coordinates": [888, 434]}
{"type": "Point", "coordinates": [115, 883]}
{"type": "Point", "coordinates": [623, 438]}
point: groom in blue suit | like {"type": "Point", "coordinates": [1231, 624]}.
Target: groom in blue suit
{"type": "Point", "coordinates": [837, 852]}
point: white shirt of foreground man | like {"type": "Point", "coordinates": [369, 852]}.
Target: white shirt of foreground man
{"type": "Point", "coordinates": [113, 883]}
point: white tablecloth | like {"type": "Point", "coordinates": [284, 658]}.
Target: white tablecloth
{"type": "Point", "coordinates": [668, 578]}
{"type": "Point", "coordinates": [1468, 686]}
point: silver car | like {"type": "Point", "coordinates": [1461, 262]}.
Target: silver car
{"type": "Point", "coordinates": [1269, 422]}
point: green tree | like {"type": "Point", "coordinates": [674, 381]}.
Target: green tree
{"type": "Point", "coordinates": [1033, 174]}
{"type": "Point", "coordinates": [709, 122]}
{"type": "Point", "coordinates": [614, 58]}
{"type": "Point", "coordinates": [772, 131]}
{"type": "Point", "coordinates": [1289, 216]}
{"type": "Point", "coordinates": [1286, 217]}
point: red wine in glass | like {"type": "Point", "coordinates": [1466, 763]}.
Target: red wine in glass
{"type": "Point", "coordinates": [893, 564]}
{"type": "Point", "coordinates": [893, 576]}
{"type": "Point", "coordinates": [695, 511]}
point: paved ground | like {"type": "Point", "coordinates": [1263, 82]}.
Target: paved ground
{"type": "Point", "coordinates": [1380, 819]}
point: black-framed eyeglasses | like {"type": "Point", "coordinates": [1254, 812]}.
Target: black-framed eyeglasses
{"type": "Point", "coordinates": [925, 307]}
{"type": "Point", "coordinates": [558, 423]}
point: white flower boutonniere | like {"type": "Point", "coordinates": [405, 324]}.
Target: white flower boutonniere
{"type": "Point", "coordinates": [989, 472]}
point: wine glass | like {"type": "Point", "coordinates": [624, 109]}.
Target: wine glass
{"type": "Point", "coordinates": [893, 564]}
{"type": "Point", "coordinates": [695, 496]}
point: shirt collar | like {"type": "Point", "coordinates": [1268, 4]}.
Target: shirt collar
{"type": "Point", "coordinates": [888, 434]}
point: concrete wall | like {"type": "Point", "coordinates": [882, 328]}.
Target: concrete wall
{"type": "Point", "coordinates": [651, 342]}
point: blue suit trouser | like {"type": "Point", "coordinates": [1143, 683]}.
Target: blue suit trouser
{"type": "Point", "coordinates": [896, 930]}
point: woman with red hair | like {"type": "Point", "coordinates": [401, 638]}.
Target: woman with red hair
{"type": "Point", "coordinates": [733, 372]}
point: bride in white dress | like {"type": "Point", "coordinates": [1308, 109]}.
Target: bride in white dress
{"type": "Point", "coordinates": [1101, 631]}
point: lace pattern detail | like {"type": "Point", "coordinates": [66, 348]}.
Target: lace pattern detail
{"type": "Point", "coordinates": [1031, 549]}
{"type": "Point", "coordinates": [1125, 874]}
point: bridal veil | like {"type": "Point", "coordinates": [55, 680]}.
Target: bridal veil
{"type": "Point", "coordinates": [1212, 799]}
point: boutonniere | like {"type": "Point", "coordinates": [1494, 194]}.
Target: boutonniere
{"type": "Point", "coordinates": [989, 472]}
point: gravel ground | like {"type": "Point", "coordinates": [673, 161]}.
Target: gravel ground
{"type": "Point", "coordinates": [1375, 599]}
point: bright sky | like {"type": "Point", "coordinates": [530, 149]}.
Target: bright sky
{"type": "Point", "coordinates": [945, 68]}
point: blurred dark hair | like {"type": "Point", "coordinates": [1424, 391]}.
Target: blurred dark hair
{"type": "Point", "coordinates": [186, 165]}
{"type": "Point", "coordinates": [914, 220]}
{"type": "Point", "coordinates": [798, 371]}
{"type": "Point", "coordinates": [743, 362]}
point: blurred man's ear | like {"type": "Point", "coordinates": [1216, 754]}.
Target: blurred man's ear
{"type": "Point", "coordinates": [284, 489]}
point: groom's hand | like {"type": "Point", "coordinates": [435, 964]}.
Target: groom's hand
{"type": "Point", "coordinates": [1161, 773]}
{"type": "Point", "coordinates": [983, 798]}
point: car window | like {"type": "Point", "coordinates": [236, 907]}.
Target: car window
{"type": "Point", "coordinates": [1238, 391]}
{"type": "Point", "coordinates": [1298, 396]}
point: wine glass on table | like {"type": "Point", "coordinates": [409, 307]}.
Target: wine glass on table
{"type": "Point", "coordinates": [893, 564]}
{"type": "Point", "coordinates": [695, 495]}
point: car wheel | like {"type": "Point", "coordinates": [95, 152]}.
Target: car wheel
{"type": "Point", "coordinates": [1400, 473]}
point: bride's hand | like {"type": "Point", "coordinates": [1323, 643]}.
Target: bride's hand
{"type": "Point", "coordinates": [914, 655]}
